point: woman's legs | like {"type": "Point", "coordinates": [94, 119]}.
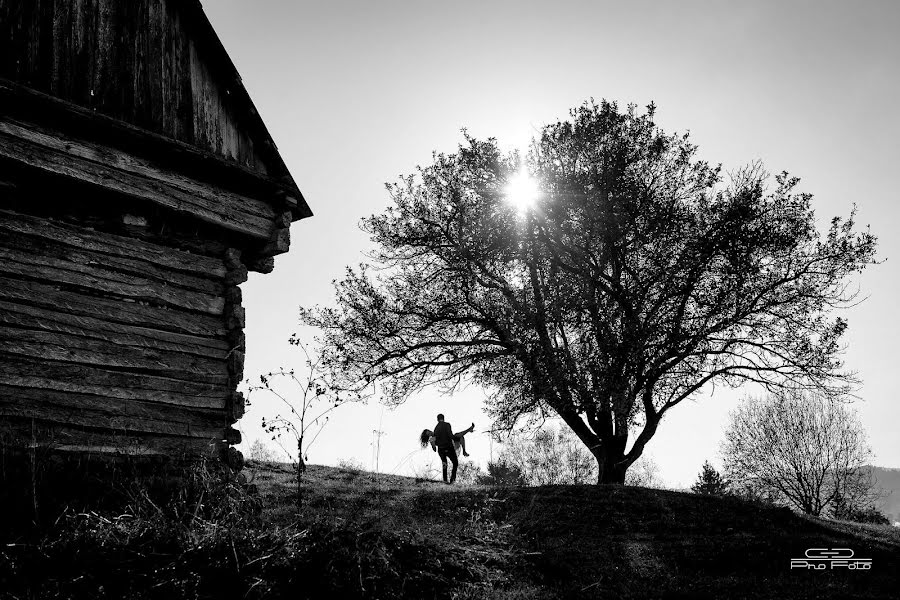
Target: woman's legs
{"type": "Point", "coordinates": [461, 438]}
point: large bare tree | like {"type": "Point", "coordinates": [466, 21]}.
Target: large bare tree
{"type": "Point", "coordinates": [616, 282]}
{"type": "Point", "coordinates": [803, 450]}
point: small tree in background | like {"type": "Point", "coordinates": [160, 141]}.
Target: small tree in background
{"type": "Point", "coordinates": [308, 401]}
{"type": "Point", "coordinates": [643, 473]}
{"type": "Point", "coordinates": [549, 457]}
{"type": "Point", "coordinates": [799, 449]}
{"type": "Point", "coordinates": [710, 482]}
{"type": "Point", "coordinates": [260, 452]}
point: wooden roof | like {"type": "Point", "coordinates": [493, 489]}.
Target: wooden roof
{"type": "Point", "coordinates": [157, 65]}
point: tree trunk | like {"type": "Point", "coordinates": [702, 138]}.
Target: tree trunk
{"type": "Point", "coordinates": [301, 469]}
{"type": "Point", "coordinates": [612, 474]}
{"type": "Point", "coordinates": [611, 467]}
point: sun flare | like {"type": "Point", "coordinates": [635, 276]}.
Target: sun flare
{"type": "Point", "coordinates": [521, 191]}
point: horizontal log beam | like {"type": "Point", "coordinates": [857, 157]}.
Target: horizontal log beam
{"type": "Point", "coordinates": [110, 414]}
{"type": "Point", "coordinates": [235, 316]}
{"type": "Point", "coordinates": [113, 245]}
{"type": "Point", "coordinates": [236, 366]}
{"type": "Point", "coordinates": [31, 317]}
{"type": "Point", "coordinates": [75, 349]}
{"type": "Point", "coordinates": [125, 311]}
{"type": "Point", "coordinates": [61, 437]}
{"type": "Point", "coordinates": [113, 267]}
{"type": "Point", "coordinates": [283, 220]}
{"type": "Point", "coordinates": [265, 264]}
{"type": "Point", "coordinates": [67, 158]}
{"type": "Point", "coordinates": [279, 243]}
{"type": "Point", "coordinates": [33, 106]}
{"type": "Point", "coordinates": [95, 277]}
{"type": "Point", "coordinates": [41, 373]}
{"type": "Point", "coordinates": [206, 194]}
{"type": "Point", "coordinates": [236, 276]}
{"type": "Point", "coordinates": [232, 436]}
{"type": "Point", "coordinates": [232, 258]}
{"type": "Point", "coordinates": [236, 406]}
{"type": "Point", "coordinates": [99, 405]}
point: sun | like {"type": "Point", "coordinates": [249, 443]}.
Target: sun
{"type": "Point", "coordinates": [521, 191]}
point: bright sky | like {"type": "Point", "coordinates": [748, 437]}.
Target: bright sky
{"type": "Point", "coordinates": [357, 93]}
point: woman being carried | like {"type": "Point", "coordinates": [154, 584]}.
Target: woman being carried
{"type": "Point", "coordinates": [459, 439]}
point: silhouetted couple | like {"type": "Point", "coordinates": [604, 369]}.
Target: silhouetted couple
{"type": "Point", "coordinates": [445, 441]}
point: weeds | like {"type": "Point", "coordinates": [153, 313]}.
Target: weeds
{"type": "Point", "coordinates": [400, 538]}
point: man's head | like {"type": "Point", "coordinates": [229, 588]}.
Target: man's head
{"type": "Point", "coordinates": [440, 416]}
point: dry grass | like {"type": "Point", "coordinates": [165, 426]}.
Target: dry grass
{"type": "Point", "coordinates": [356, 536]}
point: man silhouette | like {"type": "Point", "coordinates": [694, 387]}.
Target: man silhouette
{"type": "Point", "coordinates": [443, 439]}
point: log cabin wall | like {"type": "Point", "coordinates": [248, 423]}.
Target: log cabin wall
{"type": "Point", "coordinates": [138, 186]}
{"type": "Point", "coordinates": [145, 62]}
{"type": "Point", "coordinates": [112, 344]}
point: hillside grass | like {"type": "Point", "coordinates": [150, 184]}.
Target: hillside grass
{"type": "Point", "coordinates": [358, 536]}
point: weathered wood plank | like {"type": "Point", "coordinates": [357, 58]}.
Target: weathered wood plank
{"type": "Point", "coordinates": [264, 265]}
{"type": "Point", "coordinates": [23, 315]}
{"type": "Point", "coordinates": [235, 316]}
{"type": "Point", "coordinates": [35, 106]}
{"type": "Point", "coordinates": [70, 438]}
{"type": "Point", "coordinates": [236, 276]}
{"type": "Point", "coordinates": [113, 413]}
{"type": "Point", "coordinates": [236, 366]}
{"type": "Point", "coordinates": [235, 407]}
{"type": "Point", "coordinates": [209, 194]}
{"type": "Point", "coordinates": [44, 268]}
{"type": "Point", "coordinates": [113, 267]}
{"type": "Point", "coordinates": [232, 436]}
{"type": "Point", "coordinates": [279, 243]}
{"type": "Point", "coordinates": [72, 348]}
{"type": "Point", "coordinates": [162, 318]}
{"type": "Point", "coordinates": [111, 244]}
{"type": "Point", "coordinates": [68, 164]}
{"type": "Point", "coordinates": [70, 377]}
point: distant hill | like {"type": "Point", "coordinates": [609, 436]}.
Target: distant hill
{"type": "Point", "coordinates": [889, 481]}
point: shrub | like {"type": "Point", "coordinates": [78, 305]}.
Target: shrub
{"type": "Point", "coordinates": [468, 472]}
{"type": "Point", "coordinates": [845, 511]}
{"type": "Point", "coordinates": [502, 473]}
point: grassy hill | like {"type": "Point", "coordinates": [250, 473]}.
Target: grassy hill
{"type": "Point", "coordinates": [356, 537]}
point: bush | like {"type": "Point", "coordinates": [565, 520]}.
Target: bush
{"type": "Point", "coordinates": [468, 473]}
{"type": "Point", "coordinates": [845, 511]}
{"type": "Point", "coordinates": [502, 473]}
{"type": "Point", "coordinates": [351, 464]}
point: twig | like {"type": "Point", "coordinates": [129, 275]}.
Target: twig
{"type": "Point", "coordinates": [259, 559]}
{"type": "Point", "coordinates": [197, 508]}
{"type": "Point", "coordinates": [255, 583]}
{"type": "Point", "coordinates": [596, 583]}
{"type": "Point", "coordinates": [237, 563]}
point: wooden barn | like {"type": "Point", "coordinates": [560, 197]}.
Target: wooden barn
{"type": "Point", "coordinates": [138, 185]}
